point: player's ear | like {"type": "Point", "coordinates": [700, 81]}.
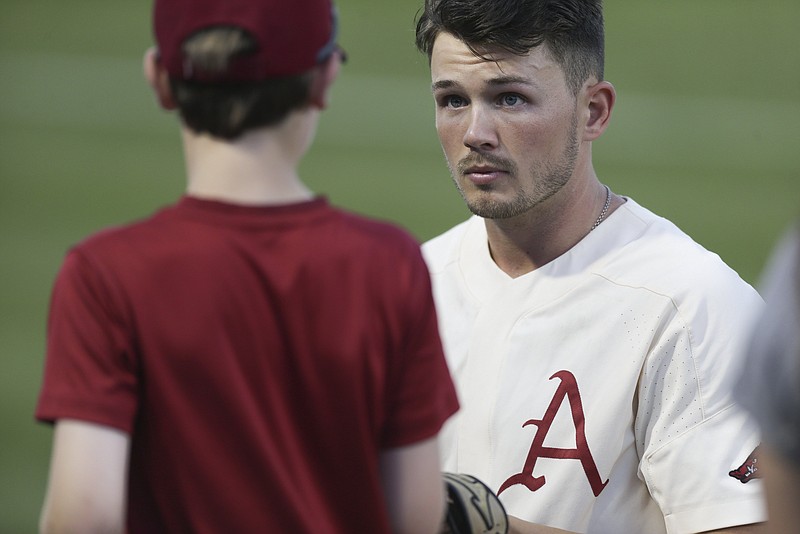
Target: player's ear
{"type": "Point", "coordinates": [158, 78]}
{"type": "Point", "coordinates": [322, 80]}
{"type": "Point", "coordinates": [600, 98]}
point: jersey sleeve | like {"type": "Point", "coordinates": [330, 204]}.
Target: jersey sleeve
{"type": "Point", "coordinates": [693, 439]}
{"type": "Point", "coordinates": [421, 392]}
{"type": "Point", "coordinates": [89, 372]}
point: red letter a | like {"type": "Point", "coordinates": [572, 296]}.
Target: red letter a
{"type": "Point", "coordinates": [569, 389]}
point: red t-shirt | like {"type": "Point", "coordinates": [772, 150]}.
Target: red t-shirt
{"type": "Point", "coordinates": [259, 357]}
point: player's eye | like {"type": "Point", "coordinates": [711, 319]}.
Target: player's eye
{"type": "Point", "coordinates": [510, 100]}
{"type": "Point", "coordinates": [452, 102]}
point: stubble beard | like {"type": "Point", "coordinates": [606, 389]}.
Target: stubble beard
{"type": "Point", "coordinates": [547, 180]}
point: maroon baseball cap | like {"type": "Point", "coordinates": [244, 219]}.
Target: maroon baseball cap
{"type": "Point", "coordinates": [292, 35]}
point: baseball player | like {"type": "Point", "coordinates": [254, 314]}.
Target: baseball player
{"type": "Point", "coordinates": [249, 358]}
{"type": "Point", "coordinates": [593, 343]}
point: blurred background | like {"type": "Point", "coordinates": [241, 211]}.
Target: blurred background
{"type": "Point", "coordinates": [704, 133]}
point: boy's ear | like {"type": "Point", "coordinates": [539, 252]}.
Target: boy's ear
{"type": "Point", "coordinates": [158, 78]}
{"type": "Point", "coordinates": [323, 77]}
{"type": "Point", "coordinates": [601, 97]}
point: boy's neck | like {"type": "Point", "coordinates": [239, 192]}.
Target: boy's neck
{"type": "Point", "coordinates": [259, 168]}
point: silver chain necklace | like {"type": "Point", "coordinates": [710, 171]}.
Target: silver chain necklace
{"type": "Point", "coordinates": [603, 212]}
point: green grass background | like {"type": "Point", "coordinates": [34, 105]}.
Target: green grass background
{"type": "Point", "coordinates": [704, 133]}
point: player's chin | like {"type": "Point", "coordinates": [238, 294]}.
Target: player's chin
{"type": "Point", "coordinates": [492, 204]}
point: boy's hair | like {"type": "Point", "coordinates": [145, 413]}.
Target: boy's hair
{"type": "Point", "coordinates": [571, 30]}
{"type": "Point", "coordinates": [227, 109]}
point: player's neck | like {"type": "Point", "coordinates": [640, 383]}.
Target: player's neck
{"type": "Point", "coordinates": [518, 248]}
{"type": "Point", "coordinates": [525, 243]}
{"type": "Point", "coordinates": [259, 168]}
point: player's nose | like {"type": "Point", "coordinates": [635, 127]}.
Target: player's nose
{"type": "Point", "coordinates": [481, 133]}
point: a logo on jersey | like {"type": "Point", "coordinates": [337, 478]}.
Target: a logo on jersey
{"type": "Point", "coordinates": [568, 389]}
{"type": "Point", "coordinates": [748, 470]}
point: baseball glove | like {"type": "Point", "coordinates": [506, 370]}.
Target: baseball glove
{"type": "Point", "coordinates": [472, 508]}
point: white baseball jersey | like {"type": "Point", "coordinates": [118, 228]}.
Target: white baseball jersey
{"type": "Point", "coordinates": [595, 390]}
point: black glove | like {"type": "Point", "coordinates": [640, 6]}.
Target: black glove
{"type": "Point", "coordinates": [472, 508]}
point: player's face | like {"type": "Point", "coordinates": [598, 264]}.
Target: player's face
{"type": "Point", "coordinates": [508, 127]}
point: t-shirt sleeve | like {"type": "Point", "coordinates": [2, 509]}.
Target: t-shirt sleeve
{"type": "Point", "coordinates": [421, 392]}
{"type": "Point", "coordinates": [89, 372]}
{"type": "Point", "coordinates": [769, 385]}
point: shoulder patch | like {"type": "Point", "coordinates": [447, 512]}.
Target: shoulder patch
{"type": "Point", "coordinates": [748, 470]}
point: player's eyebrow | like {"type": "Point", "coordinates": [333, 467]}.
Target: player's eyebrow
{"type": "Point", "coordinates": [443, 84]}
{"type": "Point", "coordinates": [497, 81]}
{"type": "Point", "coordinates": [510, 80]}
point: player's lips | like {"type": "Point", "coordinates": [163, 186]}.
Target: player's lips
{"type": "Point", "coordinates": [481, 174]}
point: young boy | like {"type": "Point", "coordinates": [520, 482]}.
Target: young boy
{"type": "Point", "coordinates": [250, 358]}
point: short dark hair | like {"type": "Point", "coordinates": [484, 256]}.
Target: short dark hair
{"type": "Point", "coordinates": [571, 30]}
{"type": "Point", "coordinates": [229, 109]}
